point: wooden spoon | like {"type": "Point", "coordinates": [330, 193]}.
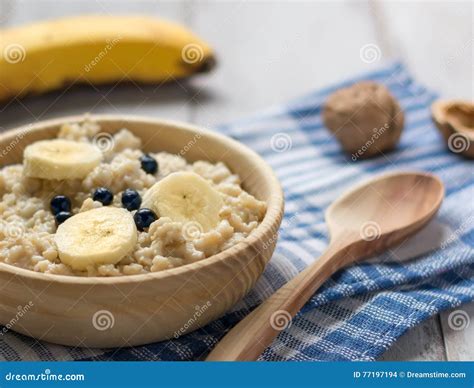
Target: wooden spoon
{"type": "Point", "coordinates": [368, 219]}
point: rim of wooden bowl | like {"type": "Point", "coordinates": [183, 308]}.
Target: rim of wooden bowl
{"type": "Point", "coordinates": [271, 221]}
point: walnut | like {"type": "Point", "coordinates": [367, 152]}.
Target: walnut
{"type": "Point", "coordinates": [455, 121]}
{"type": "Point", "coordinates": [365, 118]}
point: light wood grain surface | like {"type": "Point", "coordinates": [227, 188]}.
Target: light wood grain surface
{"type": "Point", "coordinates": [270, 52]}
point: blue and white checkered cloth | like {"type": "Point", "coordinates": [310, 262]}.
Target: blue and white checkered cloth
{"type": "Point", "coordinates": [363, 309]}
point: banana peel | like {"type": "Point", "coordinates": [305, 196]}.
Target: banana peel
{"type": "Point", "coordinates": [47, 56]}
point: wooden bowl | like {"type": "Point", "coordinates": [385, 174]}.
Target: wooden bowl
{"type": "Point", "coordinates": [140, 309]}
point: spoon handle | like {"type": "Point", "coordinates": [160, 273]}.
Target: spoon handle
{"type": "Point", "coordinates": [251, 336]}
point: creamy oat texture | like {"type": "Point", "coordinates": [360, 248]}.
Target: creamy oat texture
{"type": "Point", "coordinates": [27, 226]}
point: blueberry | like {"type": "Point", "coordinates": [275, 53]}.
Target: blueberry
{"type": "Point", "coordinates": [103, 195]}
{"type": "Point", "coordinates": [131, 200]}
{"type": "Point", "coordinates": [60, 203]}
{"type": "Point", "coordinates": [149, 164]}
{"type": "Point", "coordinates": [144, 218]}
{"type": "Point", "coordinates": [61, 217]}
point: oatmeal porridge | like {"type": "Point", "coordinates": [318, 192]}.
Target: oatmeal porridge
{"type": "Point", "coordinates": [77, 207]}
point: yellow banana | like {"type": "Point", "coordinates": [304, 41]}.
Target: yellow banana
{"type": "Point", "coordinates": [46, 56]}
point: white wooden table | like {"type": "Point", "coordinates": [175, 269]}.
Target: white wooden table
{"type": "Point", "coordinates": [270, 52]}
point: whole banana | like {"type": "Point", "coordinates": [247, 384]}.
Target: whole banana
{"type": "Point", "coordinates": [45, 56]}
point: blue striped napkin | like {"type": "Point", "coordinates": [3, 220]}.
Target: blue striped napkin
{"type": "Point", "coordinates": [363, 309]}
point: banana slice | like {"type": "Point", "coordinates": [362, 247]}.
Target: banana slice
{"type": "Point", "coordinates": [185, 197]}
{"type": "Point", "coordinates": [95, 237]}
{"type": "Point", "coordinates": [60, 159]}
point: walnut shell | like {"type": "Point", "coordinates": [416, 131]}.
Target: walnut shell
{"type": "Point", "coordinates": [455, 121]}
{"type": "Point", "coordinates": [365, 118]}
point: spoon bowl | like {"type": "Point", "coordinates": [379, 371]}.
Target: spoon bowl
{"type": "Point", "coordinates": [368, 219]}
{"type": "Point", "coordinates": [399, 203]}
